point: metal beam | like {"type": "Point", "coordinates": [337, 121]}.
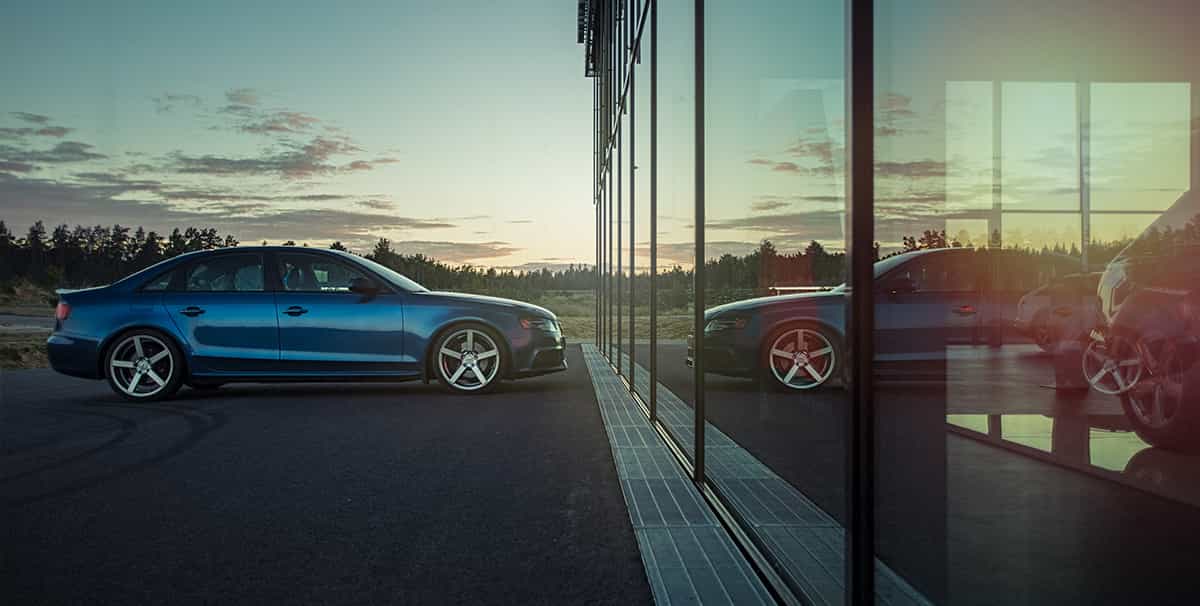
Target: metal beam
{"type": "Point", "coordinates": [698, 271]}
{"type": "Point", "coordinates": [860, 195]}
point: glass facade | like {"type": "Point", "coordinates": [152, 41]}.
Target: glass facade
{"type": "Point", "coordinates": [910, 287]}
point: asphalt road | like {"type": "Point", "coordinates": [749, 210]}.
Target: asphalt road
{"type": "Point", "coordinates": [977, 521]}
{"type": "Point", "coordinates": [328, 493]}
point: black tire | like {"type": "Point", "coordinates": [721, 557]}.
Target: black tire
{"type": "Point", "coordinates": [770, 370]}
{"type": "Point", "coordinates": [487, 372]}
{"type": "Point", "coordinates": [149, 343]}
{"type": "Point", "coordinates": [1177, 427]}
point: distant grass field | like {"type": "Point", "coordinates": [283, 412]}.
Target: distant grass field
{"type": "Point", "coordinates": [576, 310]}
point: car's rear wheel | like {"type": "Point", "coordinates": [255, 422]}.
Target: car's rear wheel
{"type": "Point", "coordinates": [1042, 332]}
{"type": "Point", "coordinates": [800, 357]}
{"type": "Point", "coordinates": [1161, 406]}
{"type": "Point", "coordinates": [469, 359]}
{"type": "Point", "coordinates": [144, 365]}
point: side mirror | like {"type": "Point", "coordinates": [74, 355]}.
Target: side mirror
{"type": "Point", "coordinates": [365, 287]}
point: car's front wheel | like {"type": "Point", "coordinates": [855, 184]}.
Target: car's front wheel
{"type": "Point", "coordinates": [469, 359]}
{"type": "Point", "coordinates": [800, 357]}
{"type": "Point", "coordinates": [144, 366]}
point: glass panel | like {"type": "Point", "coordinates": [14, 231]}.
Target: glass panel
{"type": "Point", "coordinates": [775, 246]}
{"type": "Point", "coordinates": [641, 224]}
{"type": "Point", "coordinates": [1034, 425]}
{"type": "Point", "coordinates": [676, 208]}
{"type": "Point", "coordinates": [1139, 144]}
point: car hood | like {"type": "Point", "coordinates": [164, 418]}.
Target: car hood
{"type": "Point", "coordinates": [494, 301]}
{"type": "Point", "coordinates": [828, 297]}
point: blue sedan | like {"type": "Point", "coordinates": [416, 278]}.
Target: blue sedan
{"type": "Point", "coordinates": [293, 314]}
{"type": "Point", "coordinates": [925, 300]}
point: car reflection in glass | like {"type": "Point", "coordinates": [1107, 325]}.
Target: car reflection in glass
{"type": "Point", "coordinates": [1146, 353]}
{"type": "Point", "coordinates": [289, 314]}
{"type": "Point", "coordinates": [1066, 308]}
{"type": "Point", "coordinates": [925, 301]}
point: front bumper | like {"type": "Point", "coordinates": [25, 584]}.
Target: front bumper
{"type": "Point", "coordinates": [720, 357]}
{"type": "Point", "coordinates": [550, 355]}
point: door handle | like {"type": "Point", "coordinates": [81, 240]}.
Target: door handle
{"type": "Point", "coordinates": [295, 310]}
{"type": "Point", "coordinates": [965, 310]}
{"type": "Point", "coordinates": [191, 311]}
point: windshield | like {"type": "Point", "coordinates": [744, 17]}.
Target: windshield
{"type": "Point", "coordinates": [394, 276]}
{"type": "Point", "coordinates": [1176, 229]}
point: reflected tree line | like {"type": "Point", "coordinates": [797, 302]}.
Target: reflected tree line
{"type": "Point", "coordinates": [67, 257]}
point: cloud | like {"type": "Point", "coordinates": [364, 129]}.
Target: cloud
{"type": "Point", "coordinates": [16, 167]}
{"type": "Point", "coordinates": [919, 169]}
{"type": "Point", "coordinates": [297, 161]}
{"type": "Point", "coordinates": [242, 96]}
{"type": "Point", "coordinates": [280, 122]}
{"type": "Point", "coordinates": [894, 106]}
{"type": "Point", "coordinates": [456, 252]}
{"type": "Point", "coordinates": [794, 168]}
{"type": "Point", "coordinates": [106, 198]}
{"type": "Point", "coordinates": [376, 204]}
{"type": "Point", "coordinates": [31, 118]}
{"type": "Point", "coordinates": [67, 151]}
{"type": "Point", "coordinates": [43, 127]}
{"type": "Point", "coordinates": [168, 102]}
{"type": "Point", "coordinates": [45, 131]}
{"type": "Point", "coordinates": [767, 205]}
{"type": "Point", "coordinates": [823, 151]}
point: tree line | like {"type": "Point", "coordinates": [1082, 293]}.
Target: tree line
{"type": "Point", "coordinates": [67, 257]}
{"type": "Point", "coordinates": [76, 257]}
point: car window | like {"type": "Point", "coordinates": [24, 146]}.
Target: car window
{"type": "Point", "coordinates": [160, 283]}
{"type": "Point", "coordinates": [226, 273]}
{"type": "Point", "coordinates": [300, 272]}
{"type": "Point", "coordinates": [939, 273]}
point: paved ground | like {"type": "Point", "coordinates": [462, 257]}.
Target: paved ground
{"type": "Point", "coordinates": [312, 494]}
{"type": "Point", "coordinates": [972, 521]}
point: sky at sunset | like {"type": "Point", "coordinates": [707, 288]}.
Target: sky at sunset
{"type": "Point", "coordinates": [458, 129]}
{"type": "Point", "coordinates": [462, 130]}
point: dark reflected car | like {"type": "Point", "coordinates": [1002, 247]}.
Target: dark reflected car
{"type": "Point", "coordinates": [1041, 313]}
{"type": "Point", "coordinates": [926, 300]}
{"type": "Point", "coordinates": [293, 314]}
{"type": "Point", "coordinates": [1146, 354]}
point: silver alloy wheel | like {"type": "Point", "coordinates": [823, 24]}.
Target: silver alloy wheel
{"type": "Point", "coordinates": [802, 358]}
{"type": "Point", "coordinates": [1111, 367]}
{"type": "Point", "coordinates": [469, 359]}
{"type": "Point", "coordinates": [1160, 396]}
{"type": "Point", "coordinates": [141, 366]}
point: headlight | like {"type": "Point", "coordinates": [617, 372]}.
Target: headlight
{"type": "Point", "coordinates": [546, 324]}
{"type": "Point", "coordinates": [720, 324]}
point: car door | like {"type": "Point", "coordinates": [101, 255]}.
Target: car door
{"type": "Point", "coordinates": [221, 306]}
{"type": "Point", "coordinates": [925, 305]}
{"type": "Point", "coordinates": [326, 327]}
